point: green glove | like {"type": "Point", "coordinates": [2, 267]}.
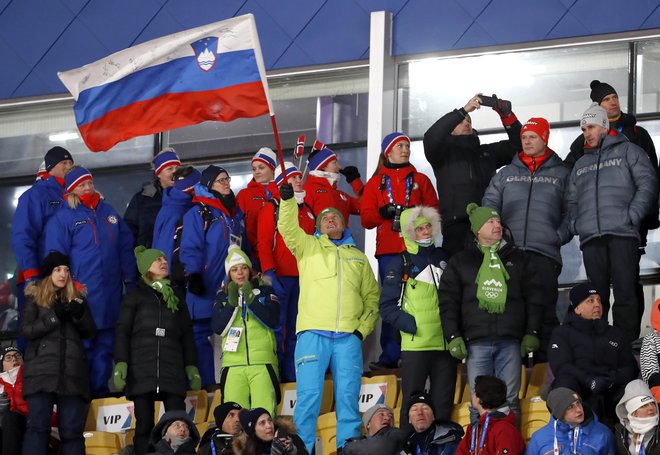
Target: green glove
{"type": "Point", "coordinates": [119, 375]}
{"type": "Point", "coordinates": [529, 343]}
{"type": "Point", "coordinates": [247, 292]}
{"type": "Point", "coordinates": [193, 376]}
{"type": "Point", "coordinates": [457, 348]}
{"type": "Point", "coordinates": [232, 293]}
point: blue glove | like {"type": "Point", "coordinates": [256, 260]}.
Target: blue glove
{"type": "Point", "coordinates": [275, 283]}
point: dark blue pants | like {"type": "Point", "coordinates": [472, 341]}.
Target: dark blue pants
{"type": "Point", "coordinates": [285, 333]}
{"type": "Point", "coordinates": [389, 337]}
{"type": "Point", "coordinates": [202, 331]}
{"type": "Point", "coordinates": [71, 413]}
{"type": "Point", "coordinates": [99, 352]}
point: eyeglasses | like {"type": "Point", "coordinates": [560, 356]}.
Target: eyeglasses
{"type": "Point", "coordinates": [9, 357]}
{"type": "Point", "coordinates": [223, 180]}
{"type": "Point", "coordinates": [180, 426]}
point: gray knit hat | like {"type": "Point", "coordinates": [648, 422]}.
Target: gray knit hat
{"type": "Point", "coordinates": [369, 413]}
{"type": "Point", "coordinates": [559, 400]}
{"type": "Point", "coordinates": [595, 115]}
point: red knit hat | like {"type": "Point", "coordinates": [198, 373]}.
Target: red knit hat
{"type": "Point", "coordinates": [537, 125]}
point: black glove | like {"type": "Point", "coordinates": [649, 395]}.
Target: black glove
{"type": "Point", "coordinates": [599, 384]}
{"type": "Point", "coordinates": [60, 310]}
{"type": "Point", "coordinates": [75, 307]}
{"type": "Point", "coordinates": [388, 211]}
{"type": "Point", "coordinates": [196, 284]}
{"type": "Point", "coordinates": [286, 191]}
{"type": "Point", "coordinates": [357, 334]}
{"type": "Point", "coordinates": [351, 173]}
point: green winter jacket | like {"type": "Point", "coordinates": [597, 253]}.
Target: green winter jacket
{"type": "Point", "coordinates": [338, 289]}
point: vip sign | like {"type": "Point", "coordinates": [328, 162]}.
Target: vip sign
{"type": "Point", "coordinates": [289, 402]}
{"type": "Point", "coordinates": [115, 418]}
{"type": "Point", "coordinates": [371, 394]}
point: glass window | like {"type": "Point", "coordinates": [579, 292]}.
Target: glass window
{"type": "Point", "coordinates": [331, 106]}
{"type": "Point", "coordinates": [550, 83]}
{"type": "Point", "coordinates": [27, 133]}
{"type": "Point", "coordinates": [648, 68]}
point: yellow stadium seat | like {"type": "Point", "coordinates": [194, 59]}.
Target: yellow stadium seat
{"type": "Point", "coordinates": [534, 415]}
{"type": "Point", "coordinates": [399, 399]}
{"type": "Point", "coordinates": [325, 421]}
{"type": "Point", "coordinates": [523, 382]}
{"type": "Point", "coordinates": [110, 414]}
{"type": "Point", "coordinates": [397, 416]}
{"type": "Point", "coordinates": [537, 379]}
{"type": "Point", "coordinates": [466, 397]}
{"type": "Point", "coordinates": [378, 389]}
{"type": "Point", "coordinates": [461, 414]}
{"type": "Point", "coordinates": [197, 406]}
{"type": "Point", "coordinates": [215, 402]}
{"type": "Point", "coordinates": [328, 441]}
{"type": "Point", "coordinates": [458, 390]}
{"type": "Point", "coordinates": [289, 397]}
{"type": "Point", "coordinates": [102, 443]}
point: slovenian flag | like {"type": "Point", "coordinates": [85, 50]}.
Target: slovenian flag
{"type": "Point", "coordinates": [213, 72]}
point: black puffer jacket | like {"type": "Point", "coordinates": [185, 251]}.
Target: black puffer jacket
{"type": "Point", "coordinates": [141, 212]}
{"type": "Point", "coordinates": [611, 190]}
{"type": "Point", "coordinates": [626, 125]}
{"type": "Point", "coordinates": [582, 349]}
{"type": "Point", "coordinates": [462, 166]}
{"type": "Point", "coordinates": [154, 361]}
{"type": "Point", "coordinates": [55, 359]}
{"type": "Point", "coordinates": [532, 205]}
{"type": "Point", "coordinates": [459, 307]}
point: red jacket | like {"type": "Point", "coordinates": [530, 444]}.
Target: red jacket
{"type": "Point", "coordinates": [502, 436]}
{"type": "Point", "coordinates": [251, 200]}
{"type": "Point", "coordinates": [321, 195]}
{"type": "Point", "coordinates": [15, 392]}
{"type": "Point", "coordinates": [376, 195]}
{"type": "Point", "coordinates": [273, 253]}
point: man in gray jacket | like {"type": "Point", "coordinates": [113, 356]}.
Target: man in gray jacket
{"type": "Point", "coordinates": [529, 195]}
{"type": "Point", "coordinates": [612, 188]}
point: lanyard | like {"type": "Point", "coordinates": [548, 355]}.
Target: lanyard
{"type": "Point", "coordinates": [574, 441]}
{"type": "Point", "coordinates": [639, 448]}
{"type": "Point", "coordinates": [482, 440]}
{"type": "Point", "coordinates": [409, 185]}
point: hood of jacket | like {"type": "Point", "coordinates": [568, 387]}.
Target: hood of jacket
{"type": "Point", "coordinates": [635, 388]}
{"type": "Point", "coordinates": [167, 419]}
{"type": "Point", "coordinates": [408, 218]}
{"type": "Point", "coordinates": [174, 196]}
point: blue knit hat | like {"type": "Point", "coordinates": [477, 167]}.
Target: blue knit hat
{"type": "Point", "coordinates": [291, 170]}
{"type": "Point", "coordinates": [267, 156]}
{"type": "Point", "coordinates": [187, 183]}
{"type": "Point", "coordinates": [75, 177]}
{"type": "Point", "coordinates": [167, 157]}
{"type": "Point", "coordinates": [210, 174]}
{"type": "Point", "coordinates": [391, 140]}
{"type": "Point", "coordinates": [319, 159]}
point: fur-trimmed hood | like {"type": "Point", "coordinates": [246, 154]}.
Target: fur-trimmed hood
{"type": "Point", "coordinates": [408, 218]}
{"type": "Point", "coordinates": [240, 444]}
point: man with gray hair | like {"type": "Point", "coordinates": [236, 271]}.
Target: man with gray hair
{"type": "Point", "coordinates": [611, 189]}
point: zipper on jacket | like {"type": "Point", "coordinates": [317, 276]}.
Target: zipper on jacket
{"type": "Point", "coordinates": [62, 354]}
{"type": "Point", "coordinates": [338, 289]}
{"type": "Point", "coordinates": [600, 149]}
{"type": "Point", "coordinates": [245, 333]}
{"type": "Point", "coordinates": [92, 224]}
{"type": "Point", "coordinates": [529, 197]}
{"type": "Point", "coordinates": [160, 309]}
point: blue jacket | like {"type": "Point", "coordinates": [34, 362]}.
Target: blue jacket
{"type": "Point", "coordinates": [594, 438]}
{"type": "Point", "coordinates": [35, 207]}
{"type": "Point", "coordinates": [100, 250]}
{"type": "Point", "coordinates": [205, 252]}
{"type": "Point", "coordinates": [175, 204]}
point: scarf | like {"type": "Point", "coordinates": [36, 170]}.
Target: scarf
{"type": "Point", "coordinates": [90, 200]}
{"type": "Point", "coordinates": [491, 281]}
{"type": "Point", "coordinates": [176, 442]}
{"type": "Point", "coordinates": [163, 288]}
{"type": "Point", "coordinates": [642, 425]}
{"type": "Point", "coordinates": [331, 177]}
{"type": "Point", "coordinates": [300, 196]}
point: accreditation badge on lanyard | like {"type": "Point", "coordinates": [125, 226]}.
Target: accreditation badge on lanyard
{"type": "Point", "coordinates": [233, 338]}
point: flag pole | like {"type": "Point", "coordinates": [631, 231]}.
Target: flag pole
{"type": "Point", "coordinates": [280, 156]}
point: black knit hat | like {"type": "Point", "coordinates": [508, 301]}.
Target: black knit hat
{"type": "Point", "coordinates": [55, 155]}
{"type": "Point", "coordinates": [581, 292]}
{"type": "Point", "coordinates": [249, 419]}
{"type": "Point", "coordinates": [9, 349]}
{"type": "Point", "coordinates": [221, 412]}
{"type": "Point", "coordinates": [54, 259]}
{"type": "Point", "coordinates": [210, 174]}
{"type": "Point", "coordinates": [600, 90]}
{"type": "Point", "coordinates": [421, 397]}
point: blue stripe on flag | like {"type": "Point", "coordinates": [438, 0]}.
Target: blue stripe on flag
{"type": "Point", "coordinates": [176, 76]}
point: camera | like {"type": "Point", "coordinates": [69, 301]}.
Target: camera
{"type": "Point", "coordinates": [396, 221]}
{"type": "Point", "coordinates": [495, 103]}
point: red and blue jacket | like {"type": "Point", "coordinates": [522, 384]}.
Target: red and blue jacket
{"type": "Point", "coordinates": [99, 245]}
{"type": "Point", "coordinates": [204, 245]}
{"type": "Point", "coordinates": [35, 207]}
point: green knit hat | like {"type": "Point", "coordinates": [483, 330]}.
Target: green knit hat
{"type": "Point", "coordinates": [324, 212]}
{"type": "Point", "coordinates": [145, 257]}
{"type": "Point", "coordinates": [479, 216]}
{"type": "Point", "coordinates": [236, 256]}
{"type": "Point", "coordinates": [421, 219]}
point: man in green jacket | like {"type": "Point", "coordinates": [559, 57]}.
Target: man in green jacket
{"type": "Point", "coordinates": [338, 308]}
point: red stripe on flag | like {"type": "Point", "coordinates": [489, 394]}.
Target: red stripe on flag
{"type": "Point", "coordinates": [300, 147]}
{"type": "Point", "coordinates": [318, 145]}
{"type": "Point", "coordinates": [174, 110]}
